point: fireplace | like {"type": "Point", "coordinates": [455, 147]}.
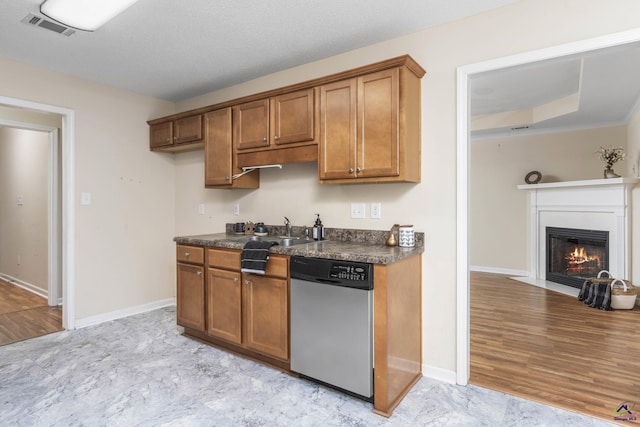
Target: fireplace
{"type": "Point", "coordinates": [575, 254]}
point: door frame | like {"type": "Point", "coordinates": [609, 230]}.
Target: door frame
{"type": "Point", "coordinates": [67, 201]}
{"type": "Point", "coordinates": [462, 162]}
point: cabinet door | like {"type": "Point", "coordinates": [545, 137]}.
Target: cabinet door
{"type": "Point", "coordinates": [378, 133]}
{"type": "Point", "coordinates": [251, 124]}
{"type": "Point", "coordinates": [266, 305]}
{"type": "Point", "coordinates": [161, 135]}
{"type": "Point", "coordinates": [187, 129]}
{"type": "Point", "coordinates": [293, 117]}
{"type": "Point", "coordinates": [224, 305]}
{"type": "Point", "coordinates": [218, 165]}
{"type": "Point", "coordinates": [190, 296]}
{"type": "Point", "coordinates": [336, 158]}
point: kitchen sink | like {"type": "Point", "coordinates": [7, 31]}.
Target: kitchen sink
{"type": "Point", "coordinates": [280, 240]}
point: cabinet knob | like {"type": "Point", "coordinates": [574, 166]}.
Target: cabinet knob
{"type": "Point", "coordinates": [264, 139]}
{"type": "Point", "coordinates": [235, 280]}
{"type": "Point", "coordinates": [247, 282]}
{"type": "Point", "coordinates": [168, 140]}
{"type": "Point", "coordinates": [175, 138]}
{"type": "Point", "coordinates": [199, 273]}
{"type": "Point", "coordinates": [186, 254]}
{"type": "Point", "coordinates": [350, 170]}
{"type": "Point", "coordinates": [276, 137]}
{"type": "Point", "coordinates": [226, 178]}
{"type": "Point", "coordinates": [358, 170]}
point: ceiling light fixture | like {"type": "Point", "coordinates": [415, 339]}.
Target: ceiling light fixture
{"type": "Point", "coordinates": [82, 14]}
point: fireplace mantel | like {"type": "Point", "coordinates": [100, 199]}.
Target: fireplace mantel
{"type": "Point", "coordinates": [599, 204]}
{"type": "Point", "coordinates": [626, 182]}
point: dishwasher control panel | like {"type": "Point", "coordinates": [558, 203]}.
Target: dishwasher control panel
{"type": "Point", "coordinates": [332, 272]}
{"type": "Point", "coordinates": [349, 272]}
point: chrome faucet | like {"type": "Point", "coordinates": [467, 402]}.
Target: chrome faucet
{"type": "Point", "coordinates": [287, 225]}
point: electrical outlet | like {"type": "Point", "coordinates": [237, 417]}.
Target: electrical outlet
{"type": "Point", "coordinates": [20, 200]}
{"type": "Point", "coordinates": [201, 208]}
{"type": "Point", "coordinates": [376, 210]}
{"type": "Point", "coordinates": [19, 260]}
{"type": "Point", "coordinates": [85, 199]}
{"type": "Point", "coordinates": [236, 208]}
{"type": "Point", "coordinates": [357, 210]}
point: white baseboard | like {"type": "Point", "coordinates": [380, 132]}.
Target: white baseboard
{"type": "Point", "coordinates": [25, 285]}
{"type": "Point", "coordinates": [439, 374]}
{"type": "Point", "coordinates": [125, 312]}
{"type": "Point", "coordinates": [498, 270]}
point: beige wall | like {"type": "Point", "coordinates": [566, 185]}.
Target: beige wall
{"type": "Point", "coordinates": [124, 249]}
{"type": "Point", "coordinates": [633, 169]}
{"type": "Point", "coordinates": [431, 205]}
{"type": "Point", "coordinates": [28, 116]}
{"type": "Point", "coordinates": [24, 167]}
{"type": "Point", "coordinates": [499, 165]}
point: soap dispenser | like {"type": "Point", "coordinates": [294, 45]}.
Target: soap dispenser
{"type": "Point", "coordinates": [318, 229]}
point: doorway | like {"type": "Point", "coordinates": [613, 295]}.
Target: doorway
{"type": "Point", "coordinates": [29, 226]}
{"type": "Point", "coordinates": [62, 237]}
{"type": "Point", "coordinates": [463, 139]}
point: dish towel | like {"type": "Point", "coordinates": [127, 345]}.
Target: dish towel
{"type": "Point", "coordinates": [255, 255]}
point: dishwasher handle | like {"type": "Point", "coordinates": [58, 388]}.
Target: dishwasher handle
{"type": "Point", "coordinates": [328, 281]}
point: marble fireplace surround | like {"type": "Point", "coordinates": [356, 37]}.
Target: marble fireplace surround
{"type": "Point", "coordinates": [599, 204]}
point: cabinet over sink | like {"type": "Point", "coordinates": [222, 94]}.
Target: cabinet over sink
{"type": "Point", "coordinates": [249, 314]}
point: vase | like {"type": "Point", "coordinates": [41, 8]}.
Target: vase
{"type": "Point", "coordinates": [609, 173]}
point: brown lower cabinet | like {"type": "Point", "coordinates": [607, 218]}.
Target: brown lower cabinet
{"type": "Point", "coordinates": [249, 311]}
{"type": "Point", "coordinates": [249, 314]}
{"type": "Point", "coordinates": [190, 291]}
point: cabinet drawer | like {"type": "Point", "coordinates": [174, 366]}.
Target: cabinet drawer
{"type": "Point", "coordinates": [191, 254]}
{"type": "Point", "coordinates": [228, 259]}
{"type": "Point", "coordinates": [277, 266]}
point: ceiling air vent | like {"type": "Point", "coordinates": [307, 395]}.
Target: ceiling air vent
{"type": "Point", "coordinates": [523, 127]}
{"type": "Point", "coordinates": [37, 21]}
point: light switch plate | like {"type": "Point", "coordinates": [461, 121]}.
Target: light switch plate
{"type": "Point", "coordinates": [236, 208]}
{"type": "Point", "coordinates": [85, 199]}
{"type": "Point", "coordinates": [376, 210]}
{"type": "Point", "coordinates": [357, 210]}
{"type": "Point", "coordinates": [201, 208]}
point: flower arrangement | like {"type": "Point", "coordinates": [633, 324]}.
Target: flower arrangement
{"type": "Point", "coordinates": [611, 155]}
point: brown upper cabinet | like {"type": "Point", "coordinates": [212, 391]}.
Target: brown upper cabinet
{"type": "Point", "coordinates": [361, 125]}
{"type": "Point", "coordinates": [220, 160]}
{"type": "Point", "coordinates": [176, 134]}
{"type": "Point", "coordinates": [282, 119]}
{"type": "Point", "coordinates": [370, 128]}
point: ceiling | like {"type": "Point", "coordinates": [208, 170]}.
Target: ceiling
{"type": "Point", "coordinates": [176, 50]}
{"type": "Point", "coordinates": [593, 89]}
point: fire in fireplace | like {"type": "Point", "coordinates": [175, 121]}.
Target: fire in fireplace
{"type": "Point", "coordinates": [576, 254]}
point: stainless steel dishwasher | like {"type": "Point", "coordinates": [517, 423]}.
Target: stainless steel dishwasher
{"type": "Point", "coordinates": [332, 323]}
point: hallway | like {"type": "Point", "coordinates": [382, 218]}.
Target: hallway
{"type": "Point", "coordinates": [25, 315]}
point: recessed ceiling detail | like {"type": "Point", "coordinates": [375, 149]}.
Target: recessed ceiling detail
{"type": "Point", "coordinates": [592, 89]}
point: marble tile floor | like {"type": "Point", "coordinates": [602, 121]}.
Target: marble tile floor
{"type": "Point", "coordinates": [140, 371]}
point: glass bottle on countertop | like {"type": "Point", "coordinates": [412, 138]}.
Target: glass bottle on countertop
{"type": "Point", "coordinates": [318, 229]}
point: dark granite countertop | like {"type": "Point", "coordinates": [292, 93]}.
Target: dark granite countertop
{"type": "Point", "coordinates": [341, 244]}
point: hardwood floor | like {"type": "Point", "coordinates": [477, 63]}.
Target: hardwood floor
{"type": "Point", "coordinates": [24, 315]}
{"type": "Point", "coordinates": [551, 348]}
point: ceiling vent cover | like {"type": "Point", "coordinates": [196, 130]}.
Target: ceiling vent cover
{"type": "Point", "coordinates": [37, 21]}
